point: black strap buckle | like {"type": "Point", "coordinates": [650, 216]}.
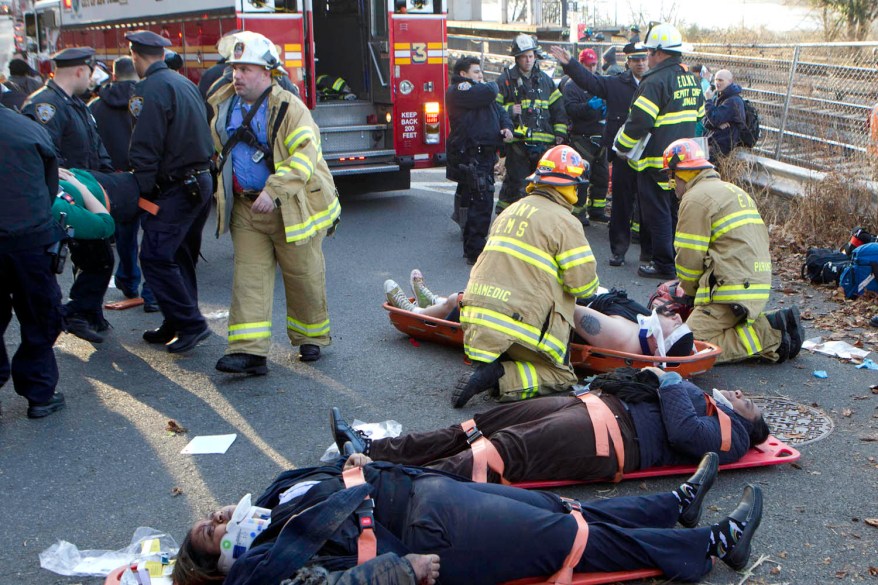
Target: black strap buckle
{"type": "Point", "coordinates": [366, 514]}
{"type": "Point", "coordinates": [473, 435]}
{"type": "Point", "coordinates": [580, 390]}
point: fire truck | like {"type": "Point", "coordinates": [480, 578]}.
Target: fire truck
{"type": "Point", "coordinates": [391, 53]}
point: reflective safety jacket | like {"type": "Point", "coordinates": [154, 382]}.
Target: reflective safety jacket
{"type": "Point", "coordinates": [524, 286]}
{"type": "Point", "coordinates": [667, 104]}
{"type": "Point", "coordinates": [722, 246]}
{"type": "Point", "coordinates": [301, 185]}
{"type": "Point", "coordinates": [542, 106]}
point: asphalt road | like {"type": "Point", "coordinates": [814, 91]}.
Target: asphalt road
{"type": "Point", "coordinates": [94, 472]}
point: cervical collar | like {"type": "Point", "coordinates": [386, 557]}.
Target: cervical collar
{"type": "Point", "coordinates": [247, 522]}
{"type": "Point", "coordinates": [651, 326]}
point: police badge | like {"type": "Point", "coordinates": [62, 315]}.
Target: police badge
{"type": "Point", "coordinates": [135, 106]}
{"type": "Point", "coordinates": [44, 112]}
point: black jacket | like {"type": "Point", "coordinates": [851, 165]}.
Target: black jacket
{"type": "Point", "coordinates": [71, 126]}
{"type": "Point", "coordinates": [542, 106]}
{"type": "Point", "coordinates": [115, 122]}
{"type": "Point", "coordinates": [617, 90]}
{"type": "Point", "coordinates": [724, 118]}
{"type": "Point", "coordinates": [29, 172]}
{"type": "Point", "coordinates": [474, 115]}
{"type": "Point", "coordinates": [586, 117]}
{"type": "Point", "coordinates": [171, 134]}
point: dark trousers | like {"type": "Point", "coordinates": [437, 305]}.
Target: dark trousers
{"type": "Point", "coordinates": [658, 213]}
{"type": "Point", "coordinates": [128, 273]}
{"type": "Point", "coordinates": [486, 533]}
{"type": "Point", "coordinates": [92, 269]}
{"type": "Point", "coordinates": [593, 196]}
{"type": "Point", "coordinates": [521, 161]}
{"type": "Point", "coordinates": [549, 438]}
{"type": "Point", "coordinates": [476, 196]}
{"type": "Point", "coordinates": [624, 197]}
{"type": "Point", "coordinates": [169, 253]}
{"type": "Point", "coordinates": [28, 285]}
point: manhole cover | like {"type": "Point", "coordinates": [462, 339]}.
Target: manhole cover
{"type": "Point", "coordinates": [794, 423]}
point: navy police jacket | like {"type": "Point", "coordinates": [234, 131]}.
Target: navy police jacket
{"type": "Point", "coordinates": [677, 431]}
{"type": "Point", "coordinates": [474, 114]}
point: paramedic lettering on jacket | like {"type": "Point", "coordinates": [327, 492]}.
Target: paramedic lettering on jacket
{"type": "Point", "coordinates": [277, 197]}
{"type": "Point", "coordinates": [538, 252]}
{"type": "Point", "coordinates": [724, 264]}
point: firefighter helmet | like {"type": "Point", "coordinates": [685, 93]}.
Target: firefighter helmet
{"type": "Point", "coordinates": [254, 49]}
{"type": "Point", "coordinates": [522, 44]}
{"type": "Point", "coordinates": [560, 166]}
{"type": "Point", "coordinates": [685, 154]}
{"type": "Point", "coordinates": [667, 38]}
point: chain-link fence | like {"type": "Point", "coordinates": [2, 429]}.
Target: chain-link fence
{"type": "Point", "coordinates": [813, 99]}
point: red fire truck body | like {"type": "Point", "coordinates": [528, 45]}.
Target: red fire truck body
{"type": "Point", "coordinates": [394, 58]}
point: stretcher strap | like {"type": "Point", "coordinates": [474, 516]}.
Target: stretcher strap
{"type": "Point", "coordinates": [564, 576]}
{"type": "Point", "coordinates": [605, 425]}
{"type": "Point", "coordinates": [485, 455]}
{"type": "Point", "coordinates": [725, 423]}
{"type": "Point", "coordinates": [367, 543]}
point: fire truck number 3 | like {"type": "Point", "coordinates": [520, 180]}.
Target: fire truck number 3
{"type": "Point", "coordinates": [419, 52]}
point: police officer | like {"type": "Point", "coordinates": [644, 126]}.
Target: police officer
{"type": "Point", "coordinates": [28, 234]}
{"type": "Point", "coordinates": [666, 107]}
{"type": "Point", "coordinates": [618, 91]}
{"type": "Point", "coordinates": [538, 117]}
{"type": "Point", "coordinates": [170, 156]}
{"type": "Point", "coordinates": [277, 197]}
{"type": "Point", "coordinates": [69, 122]}
{"type": "Point", "coordinates": [478, 125]}
{"type": "Point", "coordinates": [723, 263]}
{"type": "Point", "coordinates": [587, 115]}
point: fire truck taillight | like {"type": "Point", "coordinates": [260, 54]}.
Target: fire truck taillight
{"type": "Point", "coordinates": [431, 123]}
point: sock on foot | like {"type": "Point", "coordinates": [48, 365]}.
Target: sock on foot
{"type": "Point", "coordinates": [724, 536]}
{"type": "Point", "coordinates": [685, 495]}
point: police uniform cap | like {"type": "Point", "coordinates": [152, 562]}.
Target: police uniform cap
{"type": "Point", "coordinates": [147, 42]}
{"type": "Point", "coordinates": [635, 50]}
{"type": "Point", "coordinates": [74, 56]}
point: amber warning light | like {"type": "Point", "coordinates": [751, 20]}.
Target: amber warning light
{"type": "Point", "coordinates": [431, 123]}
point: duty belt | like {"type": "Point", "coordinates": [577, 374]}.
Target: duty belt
{"type": "Point", "coordinates": [248, 194]}
{"type": "Point", "coordinates": [166, 183]}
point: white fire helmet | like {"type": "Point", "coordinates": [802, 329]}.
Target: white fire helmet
{"type": "Point", "coordinates": [254, 49]}
{"type": "Point", "coordinates": [667, 38]}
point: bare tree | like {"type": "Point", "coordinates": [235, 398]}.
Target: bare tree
{"type": "Point", "coordinates": [854, 18]}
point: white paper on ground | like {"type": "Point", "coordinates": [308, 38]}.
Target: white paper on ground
{"type": "Point", "coordinates": [207, 444]}
{"type": "Point", "coordinates": [841, 349]}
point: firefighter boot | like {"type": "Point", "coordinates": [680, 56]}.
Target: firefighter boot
{"type": "Point", "coordinates": [778, 320]}
{"type": "Point", "coordinates": [598, 214]}
{"type": "Point", "coordinates": [795, 330]}
{"type": "Point", "coordinates": [242, 363]}
{"type": "Point", "coordinates": [691, 493]}
{"type": "Point", "coordinates": [485, 377]}
{"type": "Point", "coordinates": [343, 433]}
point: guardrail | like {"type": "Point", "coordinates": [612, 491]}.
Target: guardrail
{"type": "Point", "coordinates": [814, 99]}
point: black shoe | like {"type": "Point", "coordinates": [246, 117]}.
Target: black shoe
{"type": "Point", "coordinates": [599, 216]}
{"type": "Point", "coordinates": [485, 377]}
{"type": "Point", "coordinates": [151, 307]}
{"type": "Point", "coordinates": [80, 327]}
{"type": "Point", "coordinates": [778, 321]}
{"type": "Point", "coordinates": [471, 261]}
{"type": "Point", "coordinates": [242, 363]}
{"type": "Point", "coordinates": [100, 324]}
{"type": "Point", "coordinates": [129, 294]}
{"type": "Point", "coordinates": [164, 334]}
{"type": "Point", "coordinates": [41, 409]}
{"type": "Point", "coordinates": [343, 433]}
{"type": "Point", "coordinates": [650, 271]}
{"type": "Point", "coordinates": [795, 330]}
{"type": "Point", "coordinates": [749, 510]}
{"type": "Point", "coordinates": [187, 341]}
{"type": "Point", "coordinates": [702, 480]}
{"type": "Point", "coordinates": [617, 260]}
{"type": "Point", "coordinates": [309, 352]}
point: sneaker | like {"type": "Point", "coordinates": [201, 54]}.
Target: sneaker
{"type": "Point", "coordinates": [423, 295]}
{"type": "Point", "coordinates": [396, 298]}
{"type": "Point", "coordinates": [42, 409]}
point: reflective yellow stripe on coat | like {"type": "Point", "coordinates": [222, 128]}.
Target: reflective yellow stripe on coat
{"type": "Point", "coordinates": [526, 335]}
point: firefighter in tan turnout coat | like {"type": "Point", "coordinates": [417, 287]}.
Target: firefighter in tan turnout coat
{"type": "Point", "coordinates": [723, 263]}
{"type": "Point", "coordinates": [277, 197]}
{"type": "Point", "coordinates": [517, 309]}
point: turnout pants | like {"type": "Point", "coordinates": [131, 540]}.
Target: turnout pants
{"type": "Point", "coordinates": [260, 245]}
{"type": "Point", "coordinates": [92, 269]}
{"type": "Point", "coordinates": [546, 439]}
{"type": "Point", "coordinates": [527, 374]}
{"type": "Point", "coordinates": [592, 197]}
{"type": "Point", "coordinates": [169, 252]}
{"type": "Point", "coordinates": [658, 214]}
{"type": "Point", "coordinates": [28, 286]}
{"type": "Point", "coordinates": [718, 324]}
{"type": "Point", "coordinates": [504, 533]}
{"type": "Point", "coordinates": [624, 197]}
{"type": "Point", "coordinates": [521, 161]}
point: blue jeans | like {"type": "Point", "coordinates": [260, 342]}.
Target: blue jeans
{"type": "Point", "coordinates": [128, 271]}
